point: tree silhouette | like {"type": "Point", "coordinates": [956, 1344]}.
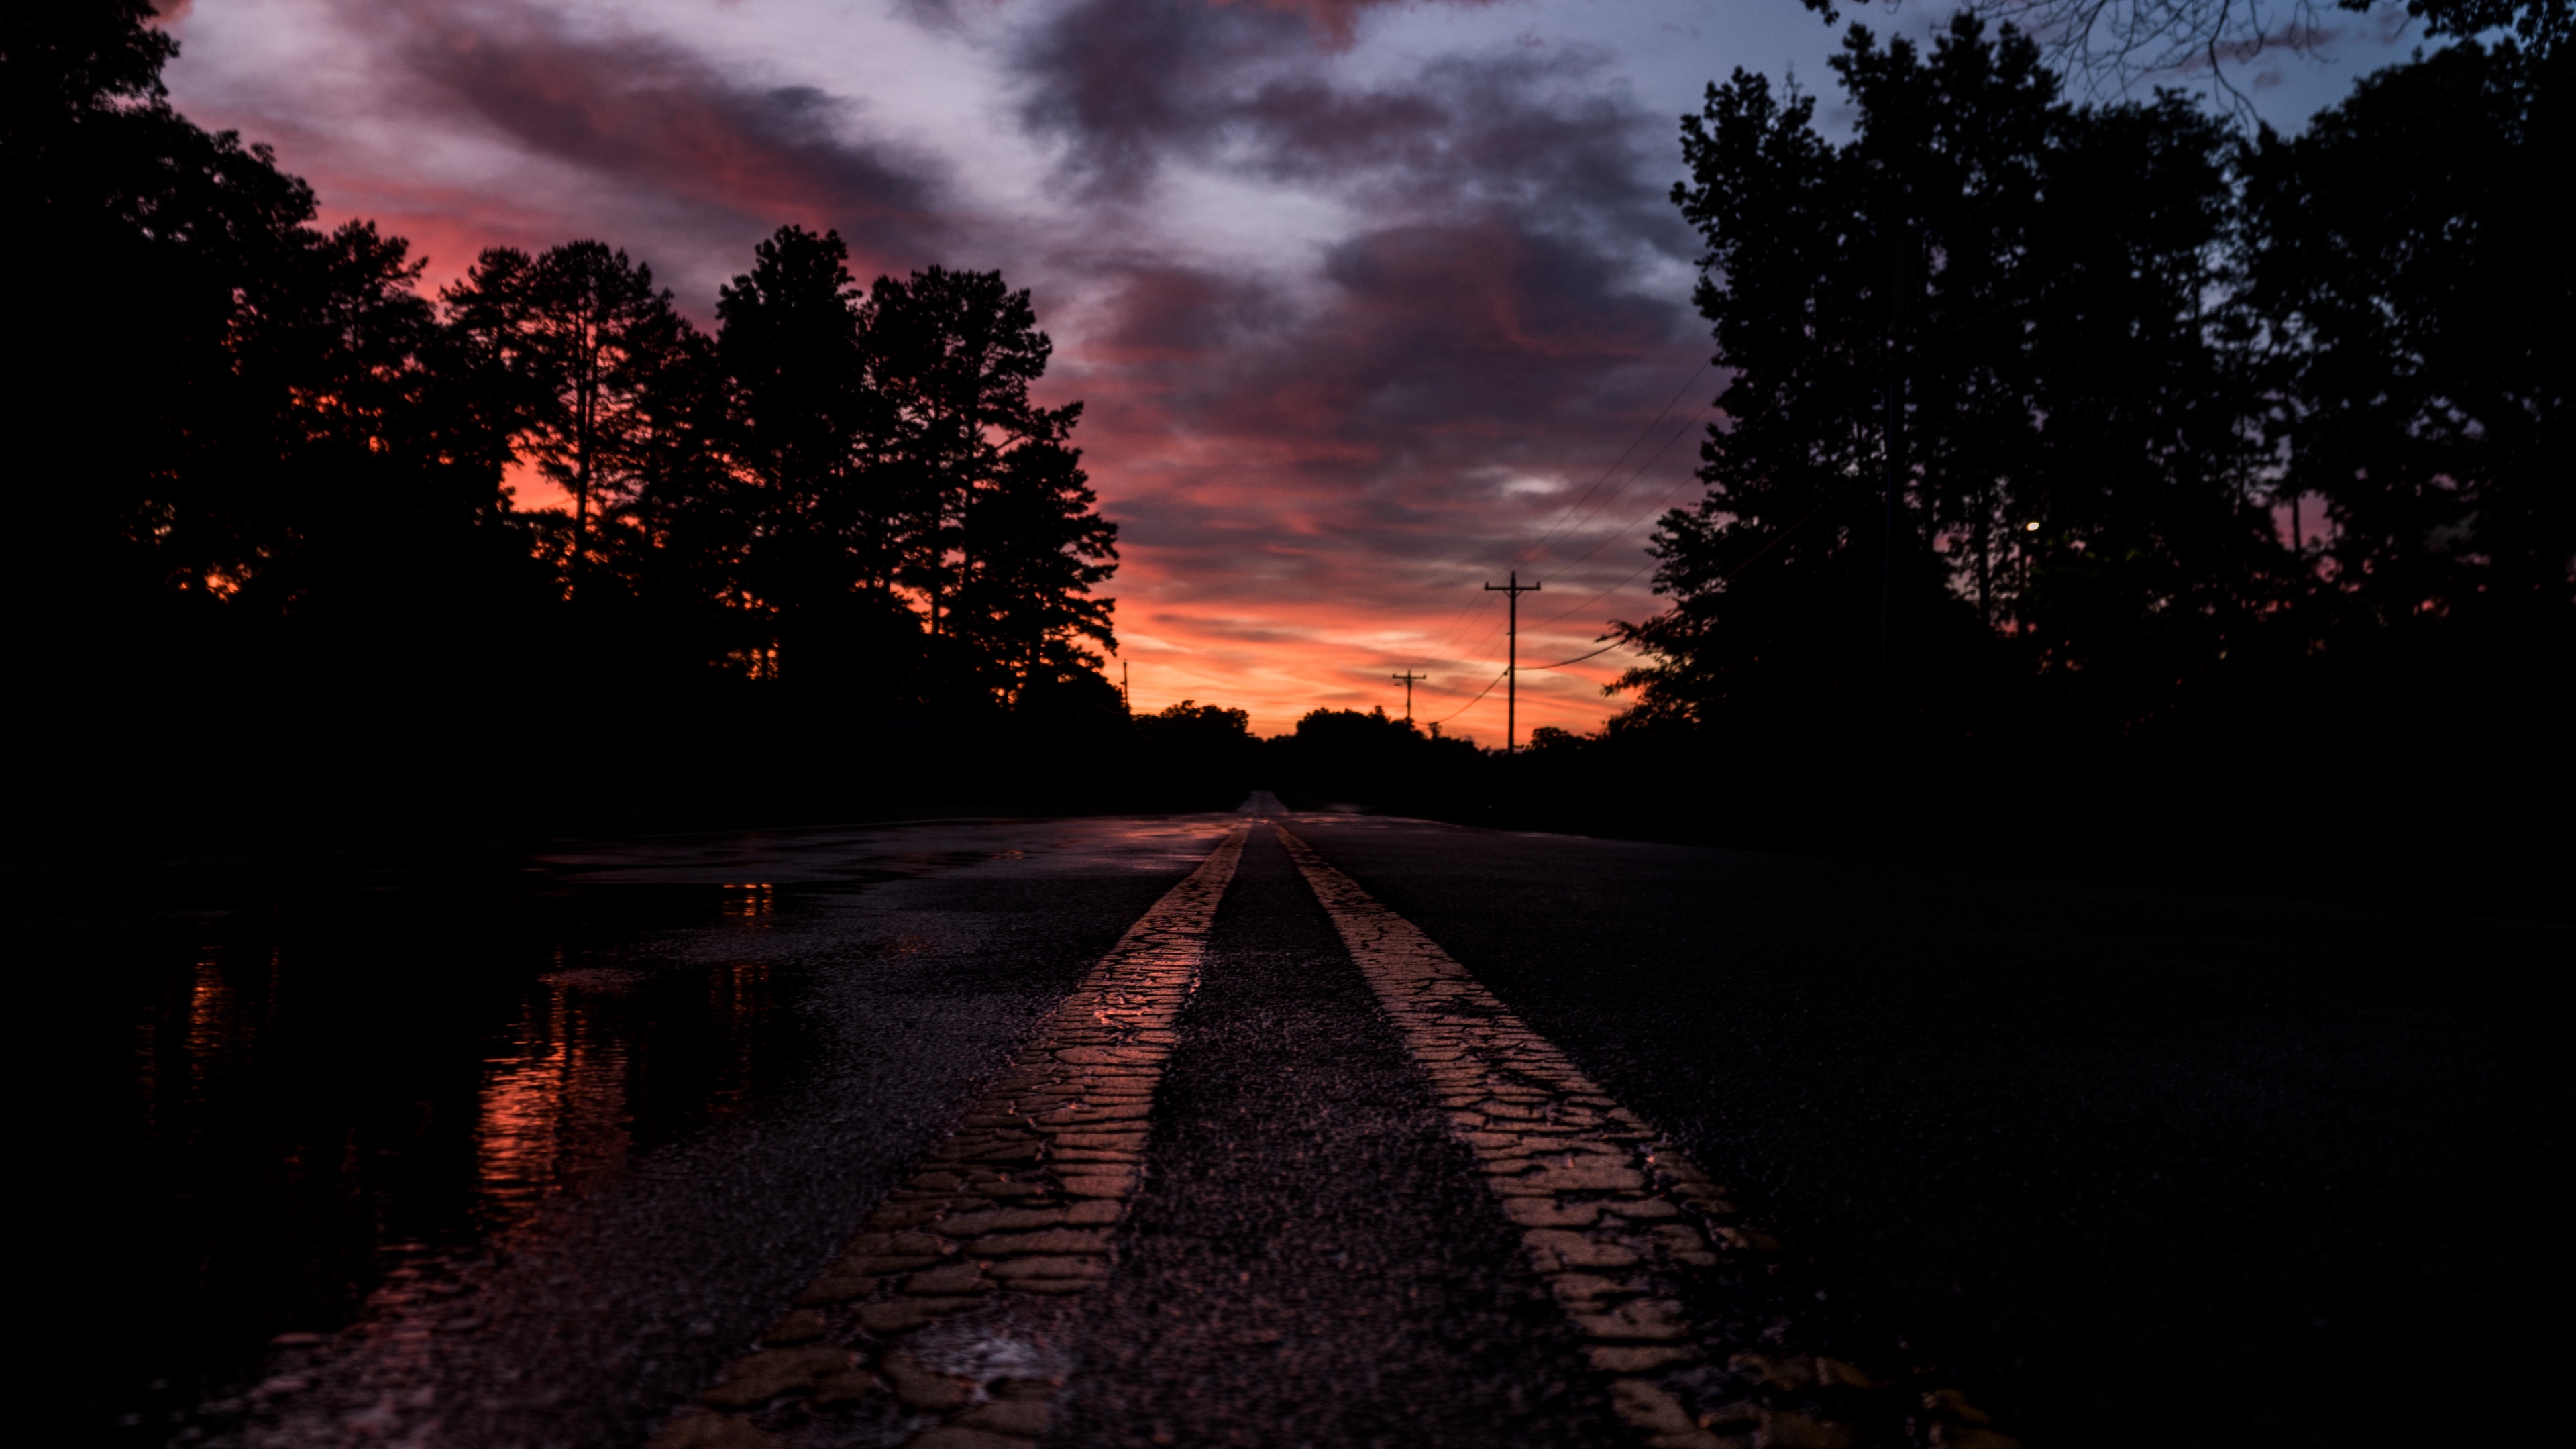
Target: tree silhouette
{"type": "Point", "coordinates": [581, 343]}
{"type": "Point", "coordinates": [2007, 300]}
{"type": "Point", "coordinates": [955, 353]}
{"type": "Point", "coordinates": [2410, 268]}
{"type": "Point", "coordinates": [1031, 548]}
{"type": "Point", "coordinates": [823, 509]}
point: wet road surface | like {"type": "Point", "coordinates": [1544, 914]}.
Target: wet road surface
{"type": "Point", "coordinates": [538, 1159]}
{"type": "Point", "coordinates": [1315, 1259]}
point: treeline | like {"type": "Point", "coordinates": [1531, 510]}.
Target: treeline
{"type": "Point", "coordinates": [1192, 756]}
{"type": "Point", "coordinates": [264, 535]}
{"type": "Point", "coordinates": [2102, 461]}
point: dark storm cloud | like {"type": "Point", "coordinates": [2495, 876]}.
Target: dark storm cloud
{"type": "Point", "coordinates": [1126, 81]}
{"type": "Point", "coordinates": [1443, 354]}
{"type": "Point", "coordinates": [642, 112]}
{"type": "Point", "coordinates": [1129, 84]}
{"type": "Point", "coordinates": [1538, 132]}
{"type": "Point", "coordinates": [1478, 322]}
{"type": "Point", "coordinates": [1513, 200]}
{"type": "Point", "coordinates": [1170, 312]}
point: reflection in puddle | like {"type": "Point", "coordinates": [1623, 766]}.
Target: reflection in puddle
{"type": "Point", "coordinates": [322, 1116]}
{"type": "Point", "coordinates": [554, 1112]}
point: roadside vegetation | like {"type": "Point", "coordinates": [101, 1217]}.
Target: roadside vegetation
{"type": "Point", "coordinates": [2106, 472]}
{"type": "Point", "coordinates": [274, 542]}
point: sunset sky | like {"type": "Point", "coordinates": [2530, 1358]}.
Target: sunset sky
{"type": "Point", "coordinates": [1369, 305]}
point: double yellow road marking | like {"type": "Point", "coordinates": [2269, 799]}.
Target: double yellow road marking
{"type": "Point", "coordinates": [1617, 1220]}
{"type": "Point", "coordinates": [1019, 1206]}
{"type": "Point", "coordinates": [1021, 1198]}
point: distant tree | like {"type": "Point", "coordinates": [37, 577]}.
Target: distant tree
{"type": "Point", "coordinates": [1193, 756]}
{"type": "Point", "coordinates": [348, 489]}
{"type": "Point", "coordinates": [581, 342]}
{"type": "Point", "coordinates": [258, 508]}
{"type": "Point", "coordinates": [1351, 757]}
{"type": "Point", "coordinates": [1032, 547]}
{"type": "Point", "coordinates": [1004, 545]}
{"type": "Point", "coordinates": [955, 353]}
{"type": "Point", "coordinates": [804, 405]}
{"type": "Point", "coordinates": [825, 510]}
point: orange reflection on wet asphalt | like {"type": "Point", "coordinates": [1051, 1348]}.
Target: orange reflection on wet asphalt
{"type": "Point", "coordinates": [213, 1031]}
{"type": "Point", "coordinates": [554, 1110]}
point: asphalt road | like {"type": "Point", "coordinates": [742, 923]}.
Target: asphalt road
{"type": "Point", "coordinates": [2146, 1168]}
{"type": "Point", "coordinates": [526, 1159]}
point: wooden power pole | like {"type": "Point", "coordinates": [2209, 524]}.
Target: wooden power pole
{"type": "Point", "coordinates": [1512, 660]}
{"type": "Point", "coordinates": [1410, 679]}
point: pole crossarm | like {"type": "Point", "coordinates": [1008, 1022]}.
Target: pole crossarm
{"type": "Point", "coordinates": [1410, 679]}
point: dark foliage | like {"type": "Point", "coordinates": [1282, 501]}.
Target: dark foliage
{"type": "Point", "coordinates": [1344, 759]}
{"type": "Point", "coordinates": [265, 540]}
{"type": "Point", "coordinates": [1198, 757]}
{"type": "Point", "coordinates": [2005, 304]}
{"type": "Point", "coordinates": [2101, 460]}
{"type": "Point", "coordinates": [2411, 264]}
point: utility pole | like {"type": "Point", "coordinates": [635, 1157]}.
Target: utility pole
{"type": "Point", "coordinates": [1123, 702]}
{"type": "Point", "coordinates": [1408, 677]}
{"type": "Point", "coordinates": [1512, 661]}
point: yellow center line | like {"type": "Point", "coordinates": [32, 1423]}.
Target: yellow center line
{"type": "Point", "coordinates": [1616, 1220]}
{"type": "Point", "coordinates": [1020, 1200]}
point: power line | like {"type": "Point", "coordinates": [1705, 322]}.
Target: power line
{"type": "Point", "coordinates": [1546, 538]}
{"type": "Point", "coordinates": [1474, 603]}
{"type": "Point", "coordinates": [1776, 540]}
{"type": "Point", "coordinates": [1511, 670]}
{"type": "Point", "coordinates": [1632, 573]}
{"type": "Point", "coordinates": [1471, 704]}
{"type": "Point", "coordinates": [1615, 494]}
{"type": "Point", "coordinates": [1618, 533]}
{"type": "Point", "coordinates": [1660, 413]}
{"type": "Point", "coordinates": [1621, 532]}
{"type": "Point", "coordinates": [1579, 658]}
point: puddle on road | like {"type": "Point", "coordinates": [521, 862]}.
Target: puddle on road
{"type": "Point", "coordinates": [310, 1112]}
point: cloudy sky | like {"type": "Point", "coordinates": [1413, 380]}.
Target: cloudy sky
{"type": "Point", "coordinates": [1370, 304]}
